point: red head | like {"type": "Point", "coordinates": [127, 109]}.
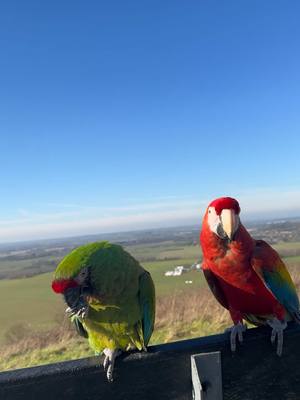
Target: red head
{"type": "Point", "coordinates": [222, 217]}
{"type": "Point", "coordinates": [225, 203]}
{"type": "Point", "coordinates": [60, 285]}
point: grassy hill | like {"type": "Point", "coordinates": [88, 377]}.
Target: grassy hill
{"type": "Point", "coordinates": [34, 330]}
{"type": "Point", "coordinates": [192, 314]}
{"type": "Point", "coordinates": [31, 301]}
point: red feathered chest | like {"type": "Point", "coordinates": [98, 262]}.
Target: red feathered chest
{"type": "Point", "coordinates": [240, 285]}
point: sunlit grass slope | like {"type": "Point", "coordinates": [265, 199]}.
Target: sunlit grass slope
{"type": "Point", "coordinates": [190, 314]}
{"type": "Point", "coordinates": [31, 315]}
{"type": "Point", "coordinates": [31, 300]}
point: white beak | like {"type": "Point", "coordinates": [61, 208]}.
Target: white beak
{"type": "Point", "coordinates": [230, 222]}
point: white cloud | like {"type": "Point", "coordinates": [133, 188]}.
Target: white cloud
{"type": "Point", "coordinates": [270, 203]}
{"type": "Point", "coordinates": [83, 220]}
{"type": "Point", "coordinates": [138, 220]}
{"type": "Point", "coordinates": [73, 219]}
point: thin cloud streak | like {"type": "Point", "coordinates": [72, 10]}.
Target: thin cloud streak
{"type": "Point", "coordinates": [90, 211]}
{"type": "Point", "coordinates": [90, 226]}
{"type": "Point", "coordinates": [82, 220]}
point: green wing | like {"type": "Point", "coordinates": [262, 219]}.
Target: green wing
{"type": "Point", "coordinates": [147, 304]}
{"type": "Point", "coordinates": [79, 327]}
{"type": "Point", "coordinates": [122, 296]}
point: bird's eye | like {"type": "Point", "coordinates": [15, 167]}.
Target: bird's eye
{"type": "Point", "coordinates": [209, 211]}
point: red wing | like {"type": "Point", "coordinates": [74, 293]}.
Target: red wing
{"type": "Point", "coordinates": [215, 287]}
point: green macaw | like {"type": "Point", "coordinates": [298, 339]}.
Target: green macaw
{"type": "Point", "coordinates": [110, 298]}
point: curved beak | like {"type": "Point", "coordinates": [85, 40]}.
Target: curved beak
{"type": "Point", "coordinates": [72, 296]}
{"type": "Point", "coordinates": [230, 222]}
{"type": "Point", "coordinates": [76, 301]}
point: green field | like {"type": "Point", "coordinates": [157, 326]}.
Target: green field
{"type": "Point", "coordinates": [33, 329]}
{"type": "Point", "coordinates": [10, 268]}
{"type": "Point", "coordinates": [28, 301]}
{"type": "Point", "coordinates": [19, 267]}
{"type": "Point", "coordinates": [146, 253]}
{"type": "Point", "coordinates": [287, 246]}
{"type": "Point", "coordinates": [171, 284]}
{"type": "Point", "coordinates": [164, 251]}
{"type": "Point", "coordinates": [31, 300]}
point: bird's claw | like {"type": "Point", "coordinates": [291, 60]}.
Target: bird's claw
{"type": "Point", "coordinates": [236, 331]}
{"type": "Point", "coordinates": [77, 312]}
{"type": "Point", "coordinates": [109, 362]}
{"type": "Point", "coordinates": [277, 331]}
{"type": "Point", "coordinates": [82, 312]}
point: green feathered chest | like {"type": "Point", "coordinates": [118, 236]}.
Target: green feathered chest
{"type": "Point", "coordinates": [114, 325]}
{"type": "Point", "coordinates": [111, 296]}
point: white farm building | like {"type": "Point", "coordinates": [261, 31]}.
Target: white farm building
{"type": "Point", "coordinates": [179, 270]}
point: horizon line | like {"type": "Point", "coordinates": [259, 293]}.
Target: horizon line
{"type": "Point", "coordinates": [188, 225]}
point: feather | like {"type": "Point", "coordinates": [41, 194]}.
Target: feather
{"type": "Point", "coordinates": [146, 300]}
{"type": "Point", "coordinates": [119, 296]}
{"type": "Point", "coordinates": [79, 328]}
{"type": "Point", "coordinates": [275, 276]}
{"type": "Point", "coordinates": [215, 287]}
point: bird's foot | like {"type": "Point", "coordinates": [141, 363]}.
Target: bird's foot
{"type": "Point", "coordinates": [277, 331]}
{"type": "Point", "coordinates": [236, 331]}
{"type": "Point", "coordinates": [77, 312]}
{"type": "Point", "coordinates": [109, 362]}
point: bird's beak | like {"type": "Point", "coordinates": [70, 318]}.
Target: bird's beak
{"type": "Point", "coordinates": [230, 222]}
{"type": "Point", "coordinates": [72, 296]}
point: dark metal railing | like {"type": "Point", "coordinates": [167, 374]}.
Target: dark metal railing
{"type": "Point", "coordinates": [164, 372]}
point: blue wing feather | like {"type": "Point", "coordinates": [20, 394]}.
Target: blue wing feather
{"type": "Point", "coordinates": [284, 293]}
{"type": "Point", "coordinates": [147, 303]}
{"type": "Point", "coordinates": [274, 274]}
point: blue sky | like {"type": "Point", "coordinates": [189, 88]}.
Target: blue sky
{"type": "Point", "coordinates": [130, 114]}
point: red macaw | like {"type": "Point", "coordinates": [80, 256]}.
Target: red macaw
{"type": "Point", "coordinates": [247, 276]}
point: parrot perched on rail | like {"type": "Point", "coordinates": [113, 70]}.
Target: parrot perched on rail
{"type": "Point", "coordinates": [247, 276]}
{"type": "Point", "coordinates": [110, 298]}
